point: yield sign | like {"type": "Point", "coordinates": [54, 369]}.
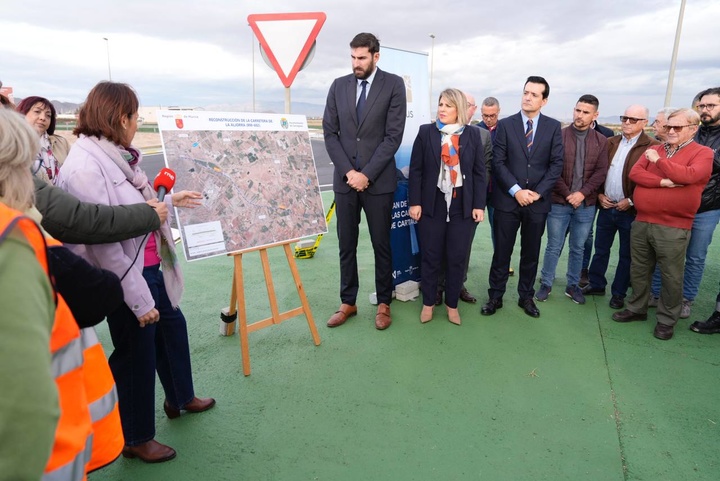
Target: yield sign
{"type": "Point", "coordinates": [287, 39]}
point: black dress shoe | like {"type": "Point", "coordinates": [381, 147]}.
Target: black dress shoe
{"type": "Point", "coordinates": [438, 297]}
{"type": "Point", "coordinates": [529, 307]}
{"type": "Point", "coordinates": [628, 316]}
{"type": "Point", "coordinates": [491, 306]}
{"type": "Point", "coordinates": [465, 296]}
{"type": "Point", "coordinates": [617, 302]}
{"type": "Point", "coordinates": [589, 290]}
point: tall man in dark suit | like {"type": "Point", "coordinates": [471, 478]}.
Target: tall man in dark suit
{"type": "Point", "coordinates": [363, 124]}
{"type": "Point", "coordinates": [527, 161]}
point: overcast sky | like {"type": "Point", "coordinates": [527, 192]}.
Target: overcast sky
{"type": "Point", "coordinates": [199, 52]}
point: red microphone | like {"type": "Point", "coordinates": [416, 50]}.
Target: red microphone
{"type": "Point", "coordinates": [164, 182]}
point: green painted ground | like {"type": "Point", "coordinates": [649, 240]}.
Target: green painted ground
{"type": "Point", "coordinates": [570, 396]}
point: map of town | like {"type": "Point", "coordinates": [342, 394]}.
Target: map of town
{"type": "Point", "coordinates": [261, 186]}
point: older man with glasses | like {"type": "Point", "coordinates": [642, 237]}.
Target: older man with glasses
{"type": "Point", "coordinates": [617, 212]}
{"type": "Point", "coordinates": [708, 214]}
{"type": "Point", "coordinates": [669, 181]}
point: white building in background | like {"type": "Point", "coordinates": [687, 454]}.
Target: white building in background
{"type": "Point", "coordinates": [149, 114]}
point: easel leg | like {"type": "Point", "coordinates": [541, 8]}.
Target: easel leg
{"type": "Point", "coordinates": [242, 313]}
{"type": "Point", "coordinates": [272, 297]}
{"type": "Point", "coordinates": [301, 294]}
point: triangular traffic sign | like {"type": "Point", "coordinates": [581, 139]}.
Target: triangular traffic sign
{"type": "Point", "coordinates": [287, 39]}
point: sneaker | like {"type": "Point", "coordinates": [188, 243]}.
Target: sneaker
{"type": "Point", "coordinates": [653, 301]}
{"type": "Point", "coordinates": [711, 326]}
{"type": "Point", "coordinates": [685, 309]}
{"type": "Point", "coordinates": [574, 293]}
{"type": "Point", "coordinates": [584, 279]}
{"type": "Point", "coordinates": [542, 294]}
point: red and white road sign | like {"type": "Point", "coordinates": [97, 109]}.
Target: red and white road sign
{"type": "Point", "coordinates": [287, 39]}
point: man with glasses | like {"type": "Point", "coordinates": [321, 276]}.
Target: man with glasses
{"type": "Point", "coordinates": [669, 182]}
{"type": "Point", "coordinates": [490, 111]}
{"type": "Point", "coordinates": [708, 135]}
{"type": "Point", "coordinates": [617, 212]}
{"type": "Point", "coordinates": [708, 215]}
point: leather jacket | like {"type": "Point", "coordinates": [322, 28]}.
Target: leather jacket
{"type": "Point", "coordinates": [710, 137]}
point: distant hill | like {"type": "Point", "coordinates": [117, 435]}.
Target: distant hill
{"type": "Point", "coordinates": [60, 107]}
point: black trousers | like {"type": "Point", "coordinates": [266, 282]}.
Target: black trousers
{"type": "Point", "coordinates": [505, 228]}
{"type": "Point", "coordinates": [448, 243]}
{"type": "Point", "coordinates": [378, 212]}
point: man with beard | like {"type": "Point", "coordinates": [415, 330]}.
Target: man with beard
{"type": "Point", "coordinates": [709, 136]}
{"type": "Point", "coordinates": [363, 124]}
{"type": "Point", "coordinates": [574, 197]}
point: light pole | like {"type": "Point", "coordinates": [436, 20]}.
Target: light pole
{"type": "Point", "coordinates": [107, 48]}
{"type": "Point", "coordinates": [673, 60]}
{"type": "Point", "coordinates": [252, 48]}
{"type": "Point", "coordinates": [432, 60]}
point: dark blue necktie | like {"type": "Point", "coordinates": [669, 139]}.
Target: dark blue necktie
{"type": "Point", "coordinates": [361, 100]}
{"type": "Point", "coordinates": [529, 134]}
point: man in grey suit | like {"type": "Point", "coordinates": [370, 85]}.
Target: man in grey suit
{"type": "Point", "coordinates": [527, 161]}
{"type": "Point", "coordinates": [363, 125]}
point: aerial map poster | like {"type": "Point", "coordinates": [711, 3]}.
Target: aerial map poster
{"type": "Point", "coordinates": [256, 173]}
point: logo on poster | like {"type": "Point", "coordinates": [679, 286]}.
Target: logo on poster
{"type": "Point", "coordinates": [284, 123]}
{"type": "Point", "coordinates": [179, 121]}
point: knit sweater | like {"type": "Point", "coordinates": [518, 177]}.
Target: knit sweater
{"type": "Point", "coordinates": [690, 168]}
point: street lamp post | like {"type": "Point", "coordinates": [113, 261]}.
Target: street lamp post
{"type": "Point", "coordinates": [107, 48]}
{"type": "Point", "coordinates": [673, 60]}
{"type": "Point", "coordinates": [432, 60]}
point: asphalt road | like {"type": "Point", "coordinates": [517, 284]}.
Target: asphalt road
{"type": "Point", "coordinates": [154, 162]}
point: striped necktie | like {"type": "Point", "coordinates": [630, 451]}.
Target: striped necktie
{"type": "Point", "coordinates": [529, 134]}
{"type": "Point", "coordinates": [361, 101]}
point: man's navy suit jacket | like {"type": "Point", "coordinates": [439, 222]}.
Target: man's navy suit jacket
{"type": "Point", "coordinates": [537, 170]}
{"type": "Point", "coordinates": [369, 144]}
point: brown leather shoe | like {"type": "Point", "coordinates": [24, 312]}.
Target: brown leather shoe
{"type": "Point", "coordinates": [663, 332]}
{"type": "Point", "coordinates": [628, 316]}
{"type": "Point", "coordinates": [341, 315]}
{"type": "Point", "coordinates": [150, 452]}
{"type": "Point", "coordinates": [382, 318]}
{"type": "Point", "coordinates": [465, 296]}
{"type": "Point", "coordinates": [197, 405]}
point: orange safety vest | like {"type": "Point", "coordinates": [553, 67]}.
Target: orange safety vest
{"type": "Point", "coordinates": [73, 435]}
{"type": "Point", "coordinates": [108, 439]}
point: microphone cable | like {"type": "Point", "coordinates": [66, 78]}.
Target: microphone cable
{"type": "Point", "coordinates": [136, 256]}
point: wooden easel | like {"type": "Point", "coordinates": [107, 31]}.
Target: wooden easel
{"type": "Point", "coordinates": [237, 300]}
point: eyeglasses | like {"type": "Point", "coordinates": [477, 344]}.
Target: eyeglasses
{"type": "Point", "coordinates": [471, 105]}
{"type": "Point", "coordinates": [632, 120]}
{"type": "Point", "coordinates": [489, 116]}
{"type": "Point", "coordinates": [709, 107]}
{"type": "Point", "coordinates": [676, 128]}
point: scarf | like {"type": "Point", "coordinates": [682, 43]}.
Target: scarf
{"type": "Point", "coordinates": [449, 154]}
{"type": "Point", "coordinates": [127, 160]}
{"type": "Point", "coordinates": [46, 166]}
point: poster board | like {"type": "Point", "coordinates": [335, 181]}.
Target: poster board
{"type": "Point", "coordinates": [256, 173]}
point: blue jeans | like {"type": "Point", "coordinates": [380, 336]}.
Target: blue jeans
{"type": "Point", "coordinates": [701, 236]}
{"type": "Point", "coordinates": [139, 351]}
{"type": "Point", "coordinates": [580, 222]}
{"type": "Point", "coordinates": [609, 223]}
{"type": "Point", "coordinates": [587, 254]}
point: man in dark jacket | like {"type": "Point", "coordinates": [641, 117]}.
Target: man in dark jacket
{"type": "Point", "coordinates": [74, 222]}
{"type": "Point", "coordinates": [709, 136]}
{"type": "Point", "coordinates": [617, 213]}
{"type": "Point", "coordinates": [574, 197]}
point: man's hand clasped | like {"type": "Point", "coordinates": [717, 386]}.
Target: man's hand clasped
{"type": "Point", "coordinates": [525, 197]}
{"type": "Point", "coordinates": [357, 180]}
